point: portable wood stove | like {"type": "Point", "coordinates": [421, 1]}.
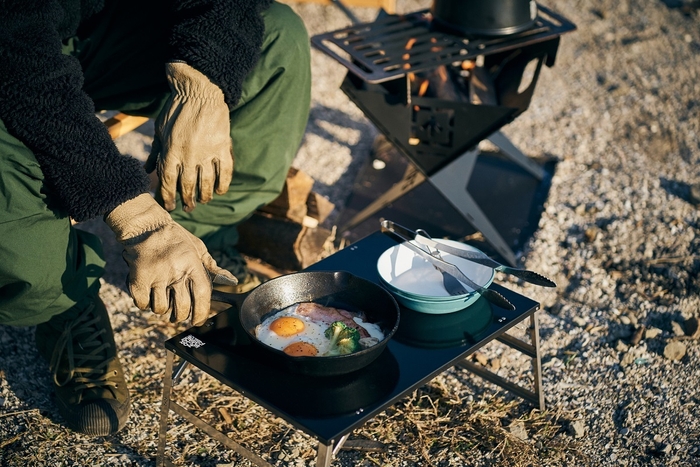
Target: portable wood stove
{"type": "Point", "coordinates": [436, 95]}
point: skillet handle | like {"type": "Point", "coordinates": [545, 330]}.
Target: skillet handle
{"type": "Point", "coordinates": [230, 298]}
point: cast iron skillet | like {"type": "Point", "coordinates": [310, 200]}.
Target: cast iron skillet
{"type": "Point", "coordinates": [338, 289]}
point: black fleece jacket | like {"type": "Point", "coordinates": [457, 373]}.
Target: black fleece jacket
{"type": "Point", "coordinates": [43, 105]}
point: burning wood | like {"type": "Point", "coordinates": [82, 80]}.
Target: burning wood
{"type": "Point", "coordinates": [423, 87]}
{"type": "Point", "coordinates": [441, 83]}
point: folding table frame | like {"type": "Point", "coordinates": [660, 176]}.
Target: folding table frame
{"type": "Point", "coordinates": [329, 445]}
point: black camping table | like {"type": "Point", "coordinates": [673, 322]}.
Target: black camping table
{"type": "Point", "coordinates": [330, 408]}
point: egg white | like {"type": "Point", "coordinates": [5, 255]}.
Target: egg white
{"type": "Point", "coordinates": [313, 332]}
{"type": "Point", "coordinates": [372, 329]}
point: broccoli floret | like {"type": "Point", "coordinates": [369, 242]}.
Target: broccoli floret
{"type": "Point", "coordinates": [344, 339]}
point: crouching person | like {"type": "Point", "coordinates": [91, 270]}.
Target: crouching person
{"type": "Point", "coordinates": [228, 84]}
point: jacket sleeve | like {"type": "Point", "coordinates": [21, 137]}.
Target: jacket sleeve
{"type": "Point", "coordinates": [42, 104]}
{"type": "Point", "coordinates": [220, 38]}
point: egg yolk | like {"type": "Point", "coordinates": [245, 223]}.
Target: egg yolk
{"type": "Point", "coordinates": [287, 326]}
{"type": "Point", "coordinates": [300, 349]}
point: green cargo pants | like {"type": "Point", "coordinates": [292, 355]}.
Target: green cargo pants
{"type": "Point", "coordinates": [47, 266]}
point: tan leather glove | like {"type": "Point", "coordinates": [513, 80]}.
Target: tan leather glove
{"type": "Point", "coordinates": [170, 269]}
{"type": "Point", "coordinates": [192, 146]}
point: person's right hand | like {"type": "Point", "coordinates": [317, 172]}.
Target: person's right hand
{"type": "Point", "coordinates": [170, 269]}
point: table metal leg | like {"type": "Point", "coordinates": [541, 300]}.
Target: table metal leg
{"type": "Point", "coordinates": [537, 360]}
{"type": "Point", "coordinates": [168, 405]}
{"type": "Point", "coordinates": [324, 454]}
{"type": "Point", "coordinates": [165, 409]}
{"type": "Point", "coordinates": [532, 350]}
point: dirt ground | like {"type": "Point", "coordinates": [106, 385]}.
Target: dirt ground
{"type": "Point", "coordinates": [620, 114]}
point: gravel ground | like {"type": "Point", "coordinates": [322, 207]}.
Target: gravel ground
{"type": "Point", "coordinates": [620, 112]}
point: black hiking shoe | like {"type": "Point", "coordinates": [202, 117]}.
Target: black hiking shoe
{"type": "Point", "coordinates": [88, 379]}
{"type": "Point", "coordinates": [231, 260]}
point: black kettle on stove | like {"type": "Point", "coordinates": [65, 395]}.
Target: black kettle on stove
{"type": "Point", "coordinates": [474, 18]}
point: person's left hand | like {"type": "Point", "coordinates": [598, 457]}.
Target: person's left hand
{"type": "Point", "coordinates": [192, 147]}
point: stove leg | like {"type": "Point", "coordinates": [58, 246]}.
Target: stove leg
{"type": "Point", "coordinates": [450, 181]}
{"type": "Point", "coordinates": [510, 150]}
{"type": "Point", "coordinates": [411, 178]}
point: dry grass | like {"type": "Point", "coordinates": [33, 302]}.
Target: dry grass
{"type": "Point", "coordinates": [434, 427]}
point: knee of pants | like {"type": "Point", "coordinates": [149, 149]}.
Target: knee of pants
{"type": "Point", "coordinates": [53, 269]}
{"type": "Point", "coordinates": [286, 38]}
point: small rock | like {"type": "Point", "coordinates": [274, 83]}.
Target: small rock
{"type": "Point", "coordinates": [674, 350]}
{"type": "Point", "coordinates": [518, 430]}
{"type": "Point", "coordinates": [481, 358]}
{"type": "Point", "coordinates": [579, 321]}
{"type": "Point", "coordinates": [651, 333]}
{"type": "Point", "coordinates": [691, 327]}
{"type": "Point", "coordinates": [621, 346]}
{"type": "Point", "coordinates": [578, 428]}
{"type": "Point", "coordinates": [591, 233]}
{"type": "Point", "coordinates": [495, 364]}
{"type": "Point", "coordinates": [677, 328]}
{"type": "Point", "coordinates": [627, 360]}
{"type": "Point", "coordinates": [625, 431]}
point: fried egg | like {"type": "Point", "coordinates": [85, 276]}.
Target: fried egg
{"type": "Point", "coordinates": [300, 335]}
{"type": "Point", "coordinates": [301, 349]}
{"type": "Point", "coordinates": [285, 328]}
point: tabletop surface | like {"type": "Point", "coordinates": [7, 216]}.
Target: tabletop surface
{"type": "Point", "coordinates": [332, 406]}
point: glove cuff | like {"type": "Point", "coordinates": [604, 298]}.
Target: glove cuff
{"type": "Point", "coordinates": [187, 81]}
{"type": "Point", "coordinates": [136, 217]}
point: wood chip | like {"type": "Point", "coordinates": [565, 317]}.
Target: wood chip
{"type": "Point", "coordinates": [224, 414]}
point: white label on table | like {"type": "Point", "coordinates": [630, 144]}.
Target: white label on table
{"type": "Point", "coordinates": [191, 341]}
